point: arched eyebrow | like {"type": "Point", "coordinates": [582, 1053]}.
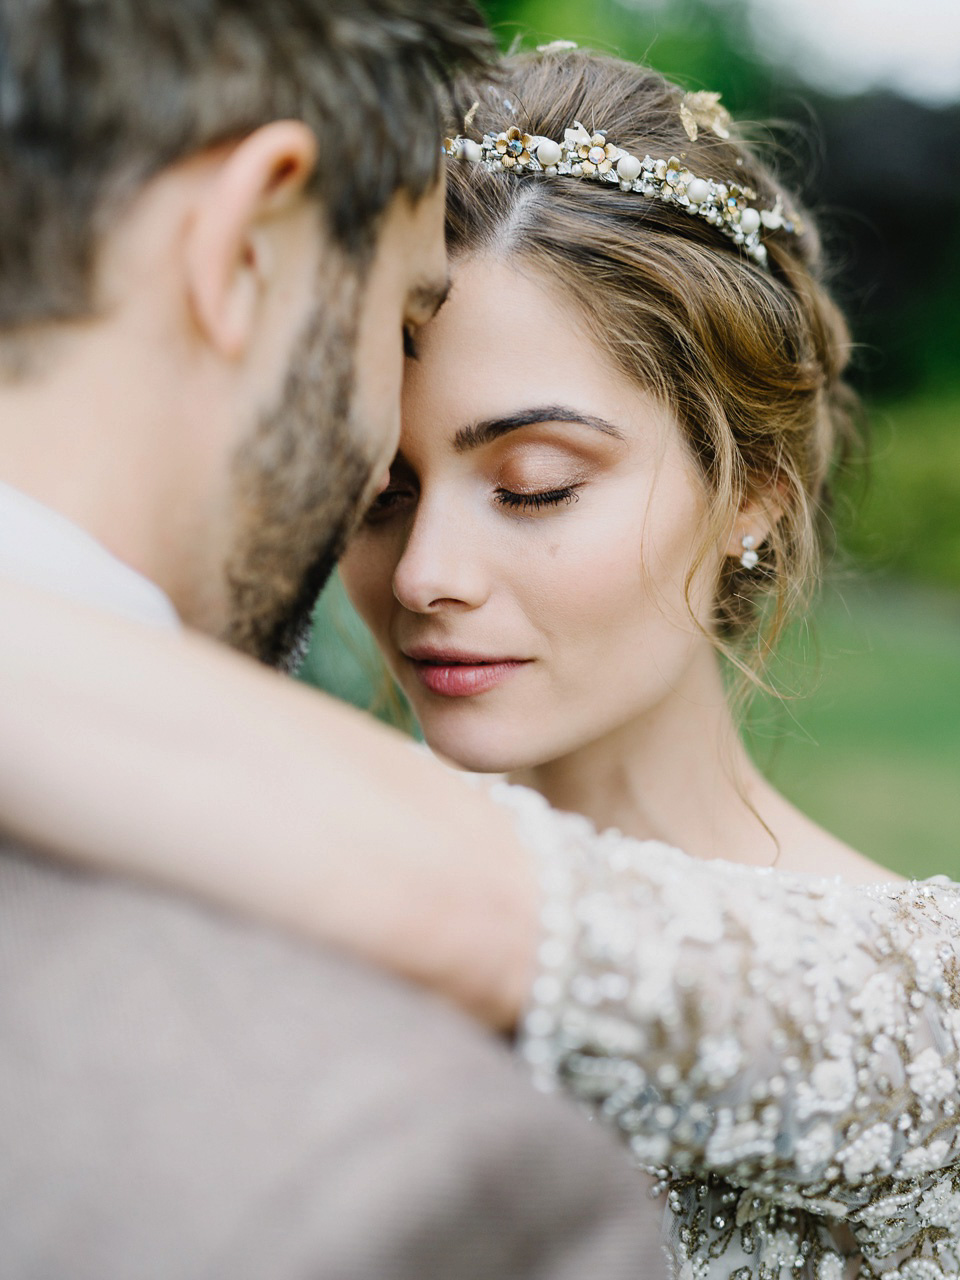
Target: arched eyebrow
{"type": "Point", "coordinates": [480, 433]}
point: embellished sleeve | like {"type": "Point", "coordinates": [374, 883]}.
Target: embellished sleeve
{"type": "Point", "coordinates": [789, 1034]}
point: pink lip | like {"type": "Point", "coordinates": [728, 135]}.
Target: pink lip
{"type": "Point", "coordinates": [460, 675]}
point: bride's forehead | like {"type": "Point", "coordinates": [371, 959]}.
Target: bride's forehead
{"type": "Point", "coordinates": [503, 306]}
{"type": "Point", "coordinates": [503, 340]}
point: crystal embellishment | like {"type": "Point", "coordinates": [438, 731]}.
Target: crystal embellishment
{"type": "Point", "coordinates": [725, 205]}
{"type": "Point", "coordinates": [781, 1052]}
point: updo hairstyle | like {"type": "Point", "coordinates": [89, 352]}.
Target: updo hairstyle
{"type": "Point", "coordinates": [748, 359]}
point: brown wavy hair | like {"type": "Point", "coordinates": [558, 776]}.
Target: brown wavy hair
{"type": "Point", "coordinates": [749, 360]}
{"type": "Point", "coordinates": [98, 97]}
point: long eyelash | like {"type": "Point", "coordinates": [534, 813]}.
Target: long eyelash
{"type": "Point", "coordinates": [536, 501]}
{"type": "Point", "coordinates": [384, 505]}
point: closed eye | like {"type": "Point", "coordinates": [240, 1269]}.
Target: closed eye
{"type": "Point", "coordinates": [537, 501]}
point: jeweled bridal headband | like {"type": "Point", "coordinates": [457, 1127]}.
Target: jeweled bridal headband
{"type": "Point", "coordinates": [725, 205]}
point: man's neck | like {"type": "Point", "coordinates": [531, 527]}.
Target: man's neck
{"type": "Point", "coordinates": [70, 441]}
{"type": "Point", "coordinates": [42, 548]}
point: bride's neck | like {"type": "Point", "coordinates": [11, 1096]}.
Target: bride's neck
{"type": "Point", "coordinates": [677, 773]}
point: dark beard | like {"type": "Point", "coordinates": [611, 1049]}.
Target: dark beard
{"type": "Point", "coordinates": [297, 486]}
{"type": "Point", "coordinates": [285, 645]}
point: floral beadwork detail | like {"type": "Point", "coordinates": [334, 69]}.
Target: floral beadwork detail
{"type": "Point", "coordinates": [513, 148]}
{"type": "Point", "coordinates": [780, 1051]}
{"type": "Point", "coordinates": [729, 207]}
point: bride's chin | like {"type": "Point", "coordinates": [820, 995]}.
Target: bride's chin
{"type": "Point", "coordinates": [472, 757]}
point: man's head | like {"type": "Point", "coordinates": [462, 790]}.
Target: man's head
{"type": "Point", "coordinates": [216, 218]}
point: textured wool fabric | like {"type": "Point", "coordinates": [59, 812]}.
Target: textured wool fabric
{"type": "Point", "coordinates": [184, 1096]}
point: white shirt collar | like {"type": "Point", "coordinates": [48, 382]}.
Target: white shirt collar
{"type": "Point", "coordinates": [45, 549]}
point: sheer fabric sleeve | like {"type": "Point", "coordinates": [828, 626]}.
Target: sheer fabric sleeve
{"type": "Point", "coordinates": [791, 1035]}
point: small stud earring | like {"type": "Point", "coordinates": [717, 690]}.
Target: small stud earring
{"type": "Point", "coordinates": [750, 559]}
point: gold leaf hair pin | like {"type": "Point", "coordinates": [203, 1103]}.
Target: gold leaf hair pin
{"type": "Point", "coordinates": [702, 110]}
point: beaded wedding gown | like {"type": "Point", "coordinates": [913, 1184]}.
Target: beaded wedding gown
{"type": "Point", "coordinates": [781, 1051]}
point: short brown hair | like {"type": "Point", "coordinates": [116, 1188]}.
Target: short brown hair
{"type": "Point", "coordinates": [749, 360]}
{"type": "Point", "coordinates": [97, 96]}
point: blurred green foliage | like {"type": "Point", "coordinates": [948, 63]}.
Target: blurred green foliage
{"type": "Point", "coordinates": [698, 43]}
{"type": "Point", "coordinates": [905, 519]}
{"type": "Point", "coordinates": [870, 744]}
{"type": "Point", "coordinates": [344, 660]}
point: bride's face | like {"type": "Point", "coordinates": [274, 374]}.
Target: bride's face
{"type": "Point", "coordinates": [524, 572]}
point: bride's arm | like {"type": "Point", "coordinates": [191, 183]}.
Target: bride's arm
{"type": "Point", "coordinates": [770, 1028]}
{"type": "Point", "coordinates": [168, 757]}
{"type": "Point", "coordinates": [796, 1036]}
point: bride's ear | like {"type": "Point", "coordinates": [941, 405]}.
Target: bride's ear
{"type": "Point", "coordinates": [756, 518]}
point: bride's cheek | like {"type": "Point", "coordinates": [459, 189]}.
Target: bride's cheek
{"type": "Point", "coordinates": [611, 593]}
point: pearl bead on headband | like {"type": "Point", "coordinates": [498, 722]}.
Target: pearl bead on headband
{"type": "Point", "coordinates": [725, 205]}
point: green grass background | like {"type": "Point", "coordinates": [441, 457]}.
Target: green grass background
{"type": "Point", "coordinates": [870, 747]}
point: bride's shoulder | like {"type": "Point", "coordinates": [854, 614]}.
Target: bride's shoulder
{"type": "Point", "coordinates": [828, 865]}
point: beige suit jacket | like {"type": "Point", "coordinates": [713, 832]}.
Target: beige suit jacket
{"type": "Point", "coordinates": [187, 1097]}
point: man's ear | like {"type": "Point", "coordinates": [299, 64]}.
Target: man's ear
{"type": "Point", "coordinates": [227, 251]}
{"type": "Point", "coordinates": [757, 516]}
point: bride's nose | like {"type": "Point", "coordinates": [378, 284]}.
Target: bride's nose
{"type": "Point", "coordinates": [442, 565]}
